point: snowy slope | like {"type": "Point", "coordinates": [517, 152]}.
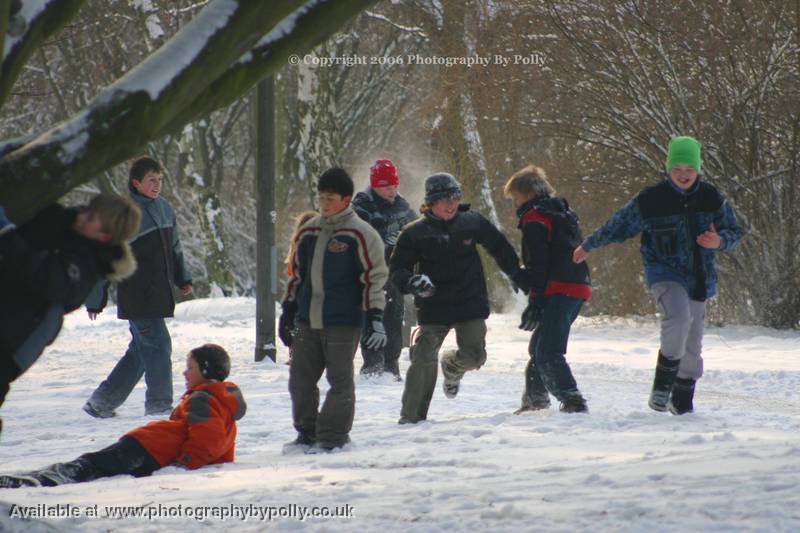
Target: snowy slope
{"type": "Point", "coordinates": [734, 465]}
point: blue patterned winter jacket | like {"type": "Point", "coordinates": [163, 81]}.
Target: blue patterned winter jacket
{"type": "Point", "coordinates": [670, 220]}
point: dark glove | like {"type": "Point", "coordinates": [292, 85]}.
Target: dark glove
{"type": "Point", "coordinates": [421, 285]}
{"type": "Point", "coordinates": [374, 335]}
{"type": "Point", "coordinates": [5, 223]}
{"type": "Point", "coordinates": [532, 314]}
{"type": "Point", "coordinates": [286, 323]}
{"type": "Point", "coordinates": [522, 281]}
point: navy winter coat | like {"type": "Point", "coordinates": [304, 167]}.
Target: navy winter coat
{"type": "Point", "coordinates": [388, 219]}
{"type": "Point", "coordinates": [158, 251]}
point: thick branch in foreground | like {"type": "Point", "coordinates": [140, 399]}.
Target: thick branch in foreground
{"type": "Point", "coordinates": [132, 111]}
{"type": "Point", "coordinates": [301, 31]}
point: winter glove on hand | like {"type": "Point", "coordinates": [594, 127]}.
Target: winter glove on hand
{"type": "Point", "coordinates": [532, 314]}
{"type": "Point", "coordinates": [286, 323]}
{"type": "Point", "coordinates": [521, 280]}
{"type": "Point", "coordinates": [374, 335]}
{"type": "Point", "coordinates": [5, 223]}
{"type": "Point", "coordinates": [421, 285]}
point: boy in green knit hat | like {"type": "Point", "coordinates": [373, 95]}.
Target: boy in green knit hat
{"type": "Point", "coordinates": [683, 222]}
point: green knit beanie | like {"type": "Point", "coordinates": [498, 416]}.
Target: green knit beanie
{"type": "Point", "coordinates": [684, 151]}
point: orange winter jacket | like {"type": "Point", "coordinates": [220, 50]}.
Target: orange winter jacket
{"type": "Point", "coordinates": [200, 431]}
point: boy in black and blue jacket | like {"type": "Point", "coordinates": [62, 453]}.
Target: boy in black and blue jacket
{"type": "Point", "coordinates": [683, 222]}
{"type": "Point", "coordinates": [145, 299]}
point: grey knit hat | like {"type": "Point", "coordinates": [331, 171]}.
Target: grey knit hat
{"type": "Point", "coordinates": [439, 186]}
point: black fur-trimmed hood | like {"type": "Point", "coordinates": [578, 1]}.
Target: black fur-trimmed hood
{"type": "Point", "coordinates": [123, 263]}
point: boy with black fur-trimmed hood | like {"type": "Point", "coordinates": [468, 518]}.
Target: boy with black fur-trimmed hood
{"type": "Point", "coordinates": [49, 265]}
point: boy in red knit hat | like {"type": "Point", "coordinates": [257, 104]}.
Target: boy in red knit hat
{"type": "Point", "coordinates": [200, 431]}
{"type": "Point", "coordinates": [384, 209]}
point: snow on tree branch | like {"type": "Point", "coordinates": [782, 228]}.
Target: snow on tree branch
{"type": "Point", "coordinates": [165, 91]}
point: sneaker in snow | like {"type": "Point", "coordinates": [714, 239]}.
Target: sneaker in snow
{"type": "Point", "coordinates": [301, 444]}
{"type": "Point", "coordinates": [533, 406]}
{"type": "Point", "coordinates": [96, 413]}
{"type": "Point", "coordinates": [450, 387]}
{"type": "Point", "coordinates": [15, 482]}
{"type": "Point", "coordinates": [327, 447]}
{"type": "Point", "coordinates": [158, 412]}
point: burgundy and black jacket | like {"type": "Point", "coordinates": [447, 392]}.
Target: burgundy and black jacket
{"type": "Point", "coordinates": [550, 233]}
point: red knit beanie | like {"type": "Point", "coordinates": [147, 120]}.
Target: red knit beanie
{"type": "Point", "coordinates": [383, 174]}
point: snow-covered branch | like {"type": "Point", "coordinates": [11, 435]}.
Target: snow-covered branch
{"type": "Point", "coordinates": [167, 90]}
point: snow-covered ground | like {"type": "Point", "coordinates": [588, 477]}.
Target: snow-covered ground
{"type": "Point", "coordinates": [733, 465]}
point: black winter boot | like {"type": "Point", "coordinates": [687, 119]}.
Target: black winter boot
{"type": "Point", "coordinates": [574, 403]}
{"type": "Point", "coordinates": [535, 396]}
{"type": "Point", "coordinates": [666, 370]}
{"type": "Point", "coordinates": [682, 395]}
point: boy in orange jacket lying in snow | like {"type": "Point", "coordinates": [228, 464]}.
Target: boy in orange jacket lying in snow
{"type": "Point", "coordinates": [200, 431]}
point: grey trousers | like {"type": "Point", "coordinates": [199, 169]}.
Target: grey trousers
{"type": "Point", "coordinates": [681, 327]}
{"type": "Point", "coordinates": [422, 374]}
{"type": "Point", "coordinates": [314, 351]}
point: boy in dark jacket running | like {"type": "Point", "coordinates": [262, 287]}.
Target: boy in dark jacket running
{"type": "Point", "coordinates": [48, 267]}
{"type": "Point", "coordinates": [200, 431]}
{"type": "Point", "coordinates": [145, 299]}
{"type": "Point", "coordinates": [338, 274]}
{"type": "Point", "coordinates": [386, 211]}
{"type": "Point", "coordinates": [559, 287]}
{"type": "Point", "coordinates": [683, 222]}
{"type": "Point", "coordinates": [436, 259]}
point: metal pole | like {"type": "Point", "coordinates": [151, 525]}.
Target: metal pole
{"type": "Point", "coordinates": [266, 259]}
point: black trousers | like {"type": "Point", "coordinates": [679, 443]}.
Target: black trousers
{"type": "Point", "coordinates": [8, 373]}
{"type": "Point", "coordinates": [125, 456]}
{"type": "Point", "coordinates": [386, 357]}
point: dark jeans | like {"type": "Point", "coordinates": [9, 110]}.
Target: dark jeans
{"type": "Point", "coordinates": [314, 351]}
{"type": "Point", "coordinates": [547, 370]}
{"type": "Point", "coordinates": [126, 456]}
{"type": "Point", "coordinates": [386, 357]}
{"type": "Point", "coordinates": [150, 354]}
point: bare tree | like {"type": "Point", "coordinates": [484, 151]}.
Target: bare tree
{"type": "Point", "coordinates": [728, 76]}
{"type": "Point", "coordinates": [212, 61]}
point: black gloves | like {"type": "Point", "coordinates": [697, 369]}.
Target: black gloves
{"type": "Point", "coordinates": [374, 335]}
{"type": "Point", "coordinates": [532, 314]}
{"type": "Point", "coordinates": [521, 281]}
{"type": "Point", "coordinates": [421, 285]}
{"type": "Point", "coordinates": [286, 323]}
